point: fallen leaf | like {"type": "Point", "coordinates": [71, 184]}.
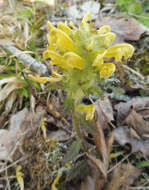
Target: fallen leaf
{"type": "Point", "coordinates": [10, 102]}
{"type": "Point", "coordinates": [99, 164]}
{"type": "Point", "coordinates": [122, 177]}
{"type": "Point", "coordinates": [106, 108]}
{"type": "Point", "coordinates": [103, 145]}
{"type": "Point", "coordinates": [123, 108]}
{"type": "Point", "coordinates": [101, 113]}
{"type": "Point", "coordinates": [122, 136]}
{"type": "Point", "coordinates": [4, 42]}
{"type": "Point", "coordinates": [136, 121]}
{"type": "Point", "coordinates": [59, 134]}
{"type": "Point", "coordinates": [10, 86]}
{"type": "Point", "coordinates": [92, 181]}
{"type": "Point", "coordinates": [22, 125]}
{"type": "Point", "coordinates": [125, 28]}
{"type": "Point", "coordinates": [88, 184]}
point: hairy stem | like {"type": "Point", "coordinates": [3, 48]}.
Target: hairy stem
{"type": "Point", "coordinates": [77, 128]}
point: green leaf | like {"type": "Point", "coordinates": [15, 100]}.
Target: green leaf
{"type": "Point", "coordinates": [135, 8]}
{"type": "Point", "coordinates": [94, 90]}
{"type": "Point", "coordinates": [143, 164]}
{"type": "Point", "coordinates": [73, 151]}
{"type": "Point", "coordinates": [124, 4]}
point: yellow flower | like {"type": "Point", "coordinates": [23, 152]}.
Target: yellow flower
{"type": "Point", "coordinates": [119, 51]}
{"type": "Point", "coordinates": [99, 59]}
{"type": "Point", "coordinates": [60, 37]}
{"type": "Point", "coordinates": [109, 38]}
{"type": "Point", "coordinates": [73, 60]}
{"type": "Point", "coordinates": [106, 70]}
{"type": "Point", "coordinates": [43, 80]}
{"type": "Point", "coordinates": [50, 25]}
{"type": "Point", "coordinates": [62, 41]}
{"type": "Point", "coordinates": [86, 18]}
{"type": "Point", "coordinates": [50, 46]}
{"type": "Point", "coordinates": [71, 24]}
{"type": "Point", "coordinates": [64, 27]}
{"type": "Point", "coordinates": [56, 59]}
{"type": "Point", "coordinates": [67, 61]}
{"type": "Point", "coordinates": [104, 29]}
{"type": "Point", "coordinates": [88, 109]}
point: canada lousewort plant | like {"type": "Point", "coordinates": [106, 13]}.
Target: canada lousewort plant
{"type": "Point", "coordinates": [80, 56]}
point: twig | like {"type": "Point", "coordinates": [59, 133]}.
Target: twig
{"type": "Point", "coordinates": [27, 60]}
{"type": "Point", "coordinates": [13, 164]}
{"type": "Point", "coordinates": [139, 188]}
{"type": "Point", "coordinates": [111, 169]}
{"type": "Point", "coordinates": [8, 177]}
{"type": "Point", "coordinates": [133, 71]}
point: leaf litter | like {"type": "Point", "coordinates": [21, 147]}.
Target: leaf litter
{"type": "Point", "coordinates": [131, 125]}
{"type": "Point", "coordinates": [125, 28]}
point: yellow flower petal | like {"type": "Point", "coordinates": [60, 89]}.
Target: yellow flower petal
{"type": "Point", "coordinates": [43, 127]}
{"type": "Point", "coordinates": [50, 25]}
{"type": "Point", "coordinates": [99, 59]}
{"type": "Point", "coordinates": [71, 24]}
{"type": "Point", "coordinates": [109, 38]}
{"type": "Point", "coordinates": [62, 41]}
{"type": "Point", "coordinates": [88, 109]}
{"type": "Point", "coordinates": [72, 60]}
{"type": "Point", "coordinates": [50, 46]}
{"type": "Point", "coordinates": [64, 27]}
{"type": "Point", "coordinates": [56, 59]}
{"type": "Point", "coordinates": [56, 181]}
{"type": "Point", "coordinates": [104, 29]}
{"type": "Point", "coordinates": [119, 51]}
{"type": "Point", "coordinates": [106, 70]}
{"type": "Point", "coordinates": [43, 80]}
{"type": "Point", "coordinates": [86, 18]}
{"type": "Point", "coordinates": [19, 176]}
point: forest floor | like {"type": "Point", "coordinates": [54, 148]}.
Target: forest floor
{"type": "Point", "coordinates": [39, 147]}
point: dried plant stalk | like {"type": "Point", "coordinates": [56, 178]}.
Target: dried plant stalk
{"type": "Point", "coordinates": [27, 60]}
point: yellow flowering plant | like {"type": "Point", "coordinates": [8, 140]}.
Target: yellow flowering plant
{"type": "Point", "coordinates": [80, 56]}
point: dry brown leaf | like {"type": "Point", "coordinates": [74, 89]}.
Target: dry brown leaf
{"type": "Point", "coordinates": [13, 30]}
{"type": "Point", "coordinates": [123, 108]}
{"type": "Point", "coordinates": [92, 182]}
{"type": "Point", "coordinates": [10, 87]}
{"type": "Point", "coordinates": [123, 136]}
{"type": "Point", "coordinates": [22, 125]}
{"type": "Point", "coordinates": [106, 108]}
{"type": "Point", "coordinates": [4, 42]}
{"type": "Point", "coordinates": [100, 142]}
{"type": "Point", "coordinates": [88, 184]}
{"type": "Point", "coordinates": [59, 134]}
{"type": "Point", "coordinates": [99, 164]}
{"type": "Point", "coordinates": [10, 102]}
{"type": "Point", "coordinates": [122, 177]}
{"type": "Point", "coordinates": [101, 114]}
{"type": "Point", "coordinates": [101, 122]}
{"type": "Point", "coordinates": [125, 29]}
{"type": "Point", "coordinates": [3, 68]}
{"type": "Point", "coordinates": [136, 121]}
